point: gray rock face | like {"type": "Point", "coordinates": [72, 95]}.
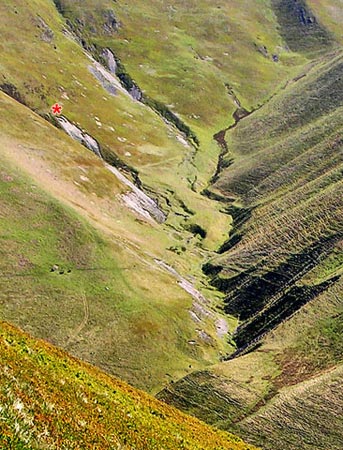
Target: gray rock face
{"type": "Point", "coordinates": [200, 308]}
{"type": "Point", "coordinates": [137, 200]}
{"type": "Point", "coordinates": [305, 17]}
{"type": "Point", "coordinates": [110, 60]}
{"type": "Point", "coordinates": [136, 93]}
{"type": "Point", "coordinates": [104, 80]}
{"type": "Point", "coordinates": [263, 50]}
{"type": "Point", "coordinates": [107, 79]}
{"type": "Point", "coordinates": [74, 132]}
{"type": "Point", "coordinates": [111, 24]}
{"type": "Point", "coordinates": [47, 35]}
{"type": "Point", "coordinates": [112, 65]}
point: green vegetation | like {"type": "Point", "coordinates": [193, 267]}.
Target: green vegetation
{"type": "Point", "coordinates": [280, 268]}
{"type": "Point", "coordinates": [275, 393]}
{"type": "Point", "coordinates": [49, 400]}
{"type": "Point", "coordinates": [287, 166]}
{"type": "Point", "coordinates": [237, 137]}
{"type": "Point", "coordinates": [184, 55]}
{"type": "Point", "coordinates": [129, 133]}
{"type": "Point", "coordinates": [306, 416]}
{"type": "Point", "coordinates": [142, 300]}
{"type": "Point", "coordinates": [116, 307]}
{"type": "Point", "coordinates": [64, 282]}
{"type": "Point", "coordinates": [330, 15]}
{"type": "Point", "coordinates": [161, 109]}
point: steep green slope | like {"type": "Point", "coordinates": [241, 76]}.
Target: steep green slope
{"type": "Point", "coordinates": [282, 267]}
{"type": "Point", "coordinates": [331, 15]}
{"type": "Point", "coordinates": [130, 135]}
{"type": "Point", "coordinates": [300, 27]}
{"type": "Point", "coordinates": [193, 42]}
{"type": "Point", "coordinates": [108, 301]}
{"type": "Point", "coordinates": [275, 381]}
{"type": "Point", "coordinates": [195, 58]}
{"type": "Point", "coordinates": [299, 348]}
{"type": "Point", "coordinates": [62, 281]}
{"type": "Point", "coordinates": [271, 70]}
{"type": "Point", "coordinates": [294, 415]}
{"type": "Point", "coordinates": [49, 400]}
{"type": "Point", "coordinates": [286, 172]}
{"type": "Point", "coordinates": [49, 66]}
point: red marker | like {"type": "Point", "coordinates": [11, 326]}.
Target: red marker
{"type": "Point", "coordinates": [56, 109]}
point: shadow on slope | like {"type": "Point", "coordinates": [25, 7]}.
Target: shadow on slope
{"type": "Point", "coordinates": [287, 170]}
{"type": "Point", "coordinates": [299, 26]}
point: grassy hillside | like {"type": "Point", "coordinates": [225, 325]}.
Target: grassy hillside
{"type": "Point", "coordinates": [285, 174]}
{"type": "Point", "coordinates": [187, 57]}
{"type": "Point", "coordinates": [300, 27]}
{"type": "Point", "coordinates": [195, 43]}
{"type": "Point", "coordinates": [130, 135]}
{"type": "Point", "coordinates": [330, 14]}
{"type": "Point", "coordinates": [49, 400]}
{"type": "Point", "coordinates": [294, 415]}
{"type": "Point", "coordinates": [49, 66]}
{"type": "Point", "coordinates": [281, 386]}
{"type": "Point", "coordinates": [63, 281]}
{"type": "Point", "coordinates": [229, 117]}
{"type": "Point", "coordinates": [300, 348]}
{"type": "Point", "coordinates": [281, 269]}
{"type": "Point", "coordinates": [108, 301]}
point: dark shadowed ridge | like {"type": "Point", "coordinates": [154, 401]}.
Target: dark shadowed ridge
{"type": "Point", "coordinates": [300, 27]}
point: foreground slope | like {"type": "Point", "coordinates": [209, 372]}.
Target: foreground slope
{"type": "Point", "coordinates": [49, 400]}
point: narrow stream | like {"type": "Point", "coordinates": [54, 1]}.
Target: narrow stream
{"type": "Point", "coordinates": [238, 115]}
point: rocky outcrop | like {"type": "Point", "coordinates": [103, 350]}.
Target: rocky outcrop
{"type": "Point", "coordinates": [200, 307]}
{"type": "Point", "coordinates": [13, 92]}
{"type": "Point", "coordinates": [47, 35]}
{"type": "Point", "coordinates": [117, 69]}
{"type": "Point", "coordinates": [137, 200]}
{"type": "Point", "coordinates": [111, 23]}
{"type": "Point", "coordinates": [107, 81]}
{"type": "Point", "coordinates": [111, 62]}
{"type": "Point", "coordinates": [136, 93]}
{"type": "Point", "coordinates": [79, 135]}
